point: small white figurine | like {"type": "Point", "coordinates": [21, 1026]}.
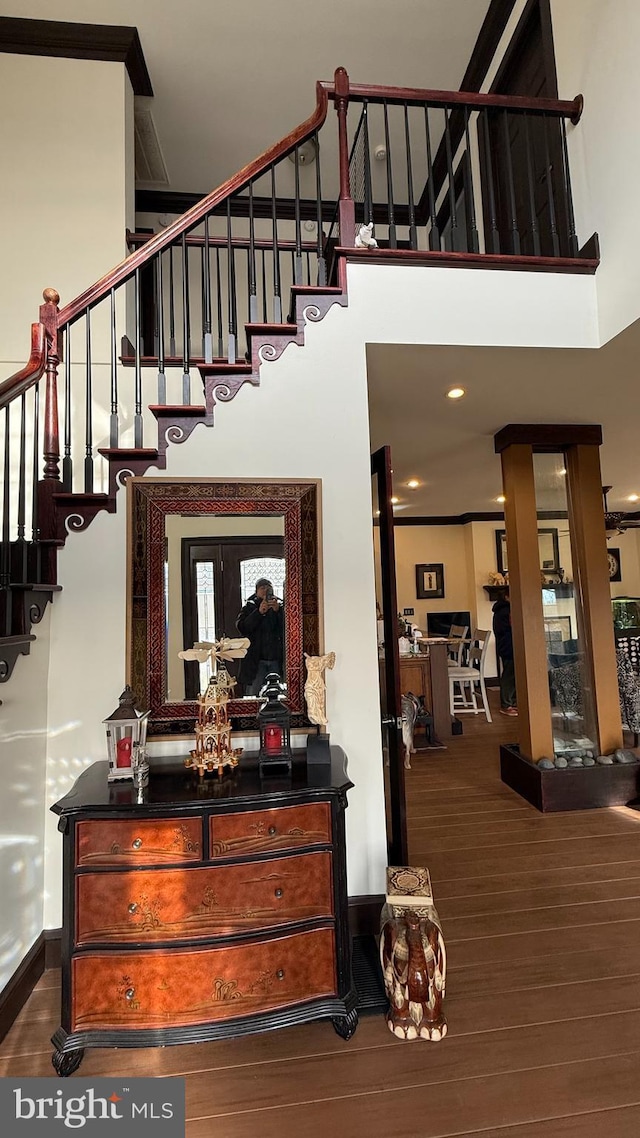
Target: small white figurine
{"type": "Point", "coordinates": [365, 238]}
{"type": "Point", "coordinates": [314, 688]}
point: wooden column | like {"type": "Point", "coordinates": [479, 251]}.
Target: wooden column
{"type": "Point", "coordinates": [529, 648]}
{"type": "Point", "coordinates": [591, 575]}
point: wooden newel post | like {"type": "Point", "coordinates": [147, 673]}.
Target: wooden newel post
{"type": "Point", "coordinates": [51, 449]}
{"type": "Point", "coordinates": [346, 208]}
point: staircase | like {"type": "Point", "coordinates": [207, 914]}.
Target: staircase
{"type": "Point", "coordinates": [217, 276]}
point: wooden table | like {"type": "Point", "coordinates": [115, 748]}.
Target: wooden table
{"type": "Point", "coordinates": [427, 675]}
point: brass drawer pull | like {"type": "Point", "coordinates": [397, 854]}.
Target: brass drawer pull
{"type": "Point", "coordinates": [137, 843]}
{"type": "Point", "coordinates": [130, 993]}
{"type": "Point", "coordinates": [280, 974]}
{"type": "Point", "coordinates": [279, 892]}
{"type": "Point", "coordinates": [273, 830]}
{"type": "Point", "coordinates": [133, 907]}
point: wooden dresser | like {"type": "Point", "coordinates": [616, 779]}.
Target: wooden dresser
{"type": "Point", "coordinates": [207, 909]}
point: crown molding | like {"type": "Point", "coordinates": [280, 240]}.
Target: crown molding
{"type": "Point", "coordinates": [78, 41]}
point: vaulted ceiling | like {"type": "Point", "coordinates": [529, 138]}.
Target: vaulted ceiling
{"type": "Point", "coordinates": [231, 78]}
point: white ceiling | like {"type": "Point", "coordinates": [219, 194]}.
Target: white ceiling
{"type": "Point", "coordinates": [448, 445]}
{"type": "Point", "coordinates": [231, 78]}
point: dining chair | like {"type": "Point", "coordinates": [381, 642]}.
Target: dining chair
{"type": "Point", "coordinates": [469, 677]}
{"type": "Point", "coordinates": [455, 652]}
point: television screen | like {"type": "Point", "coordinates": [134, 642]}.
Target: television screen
{"type": "Point", "coordinates": [439, 623]}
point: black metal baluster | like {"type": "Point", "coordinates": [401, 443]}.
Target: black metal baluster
{"type": "Point", "coordinates": [253, 297]}
{"type": "Point", "coordinates": [535, 235]}
{"type": "Point", "coordinates": [207, 339]}
{"type": "Point", "coordinates": [391, 214]}
{"type": "Point", "coordinates": [88, 416]}
{"type": "Point", "coordinates": [22, 490]}
{"type": "Point", "coordinates": [493, 246]}
{"type": "Point", "coordinates": [231, 291]}
{"type": "Point", "coordinates": [455, 239]}
{"type": "Point", "coordinates": [137, 417]}
{"type": "Point", "coordinates": [322, 264]}
{"type": "Point", "coordinates": [67, 461]}
{"type": "Point", "coordinates": [515, 235]}
{"type": "Point", "coordinates": [5, 560]}
{"type": "Point", "coordinates": [297, 260]}
{"type": "Point", "coordinates": [35, 528]}
{"type": "Point", "coordinates": [162, 378]}
{"type": "Point", "coordinates": [172, 317]}
{"type": "Point", "coordinates": [366, 153]}
{"type": "Point", "coordinates": [113, 417]}
{"type": "Point", "coordinates": [434, 232]}
{"type": "Point", "coordinates": [469, 197]}
{"type": "Point", "coordinates": [571, 221]}
{"type": "Point", "coordinates": [553, 225]}
{"type": "Point", "coordinates": [249, 298]}
{"type": "Point", "coordinates": [308, 262]}
{"type": "Point", "coordinates": [264, 288]}
{"type": "Point", "coordinates": [186, 325]}
{"type": "Point", "coordinates": [413, 233]}
{"type": "Point", "coordinates": [277, 299]}
{"type": "Point", "coordinates": [219, 305]}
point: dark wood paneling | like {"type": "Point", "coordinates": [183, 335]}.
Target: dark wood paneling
{"type": "Point", "coordinates": [548, 436]}
{"type": "Point", "coordinates": [16, 993]}
{"type": "Point", "coordinates": [78, 41]}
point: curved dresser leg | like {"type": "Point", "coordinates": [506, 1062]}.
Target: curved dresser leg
{"type": "Point", "coordinates": [67, 1062]}
{"type": "Point", "coordinates": [346, 1025]}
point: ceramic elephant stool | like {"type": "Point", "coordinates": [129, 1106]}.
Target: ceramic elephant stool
{"type": "Point", "coordinates": [413, 958]}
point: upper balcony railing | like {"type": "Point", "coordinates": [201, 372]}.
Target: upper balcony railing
{"type": "Point", "coordinates": [450, 176]}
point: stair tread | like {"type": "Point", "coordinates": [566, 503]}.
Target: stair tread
{"type": "Point", "coordinates": [128, 452]}
{"type": "Point", "coordinates": [180, 409]}
{"type": "Point", "coordinates": [321, 290]}
{"type": "Point", "coordinates": [225, 369]}
{"type": "Point", "coordinates": [21, 639]}
{"type": "Point", "coordinates": [258, 329]}
{"type": "Point", "coordinates": [31, 587]}
{"type": "Point", "coordinates": [80, 496]}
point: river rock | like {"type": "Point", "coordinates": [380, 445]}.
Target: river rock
{"type": "Point", "coordinates": [546, 765]}
{"type": "Point", "coordinates": [589, 761]}
{"type": "Point", "coordinates": [561, 763]}
{"type": "Point", "coordinates": [605, 760]}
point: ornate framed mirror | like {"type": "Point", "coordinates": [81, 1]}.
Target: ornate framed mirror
{"type": "Point", "coordinates": [196, 550]}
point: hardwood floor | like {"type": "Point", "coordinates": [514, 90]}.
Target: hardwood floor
{"type": "Point", "coordinates": [541, 917]}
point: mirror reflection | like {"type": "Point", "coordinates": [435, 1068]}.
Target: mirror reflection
{"type": "Point", "coordinates": [224, 577]}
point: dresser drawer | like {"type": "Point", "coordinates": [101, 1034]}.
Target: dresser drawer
{"type": "Point", "coordinates": [258, 831]}
{"type": "Point", "coordinates": [138, 843]}
{"type": "Point", "coordinates": [160, 904]}
{"type": "Point", "coordinates": [130, 991]}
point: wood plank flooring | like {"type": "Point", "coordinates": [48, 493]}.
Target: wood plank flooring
{"type": "Point", "coordinates": [542, 923]}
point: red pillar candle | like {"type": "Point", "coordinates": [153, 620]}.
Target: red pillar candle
{"type": "Point", "coordinates": [123, 752]}
{"type": "Point", "coordinates": [273, 739]}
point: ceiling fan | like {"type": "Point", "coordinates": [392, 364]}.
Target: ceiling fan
{"type": "Point", "coordinates": [616, 522]}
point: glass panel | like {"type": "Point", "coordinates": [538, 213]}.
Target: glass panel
{"type": "Point", "coordinates": [205, 610]}
{"type": "Point", "coordinates": [274, 568]}
{"type": "Point", "coordinates": [570, 682]}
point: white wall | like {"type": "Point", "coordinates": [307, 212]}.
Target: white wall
{"type": "Point", "coordinates": [23, 746]}
{"type": "Point", "coordinates": [66, 192]}
{"type": "Point", "coordinates": [596, 54]}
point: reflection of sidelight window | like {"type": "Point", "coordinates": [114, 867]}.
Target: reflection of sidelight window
{"type": "Point", "coordinates": [253, 568]}
{"type": "Point", "coordinates": [205, 613]}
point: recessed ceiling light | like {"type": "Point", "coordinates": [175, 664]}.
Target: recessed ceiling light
{"type": "Point", "coordinates": [413, 484]}
{"type": "Point", "coordinates": [563, 471]}
{"type": "Point", "coordinates": [634, 497]}
{"type": "Point", "coordinates": [501, 498]}
{"type": "Point", "coordinates": [394, 501]}
{"type": "Point", "coordinates": [456, 392]}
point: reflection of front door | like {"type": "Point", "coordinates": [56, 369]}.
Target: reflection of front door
{"type": "Point", "coordinates": [218, 576]}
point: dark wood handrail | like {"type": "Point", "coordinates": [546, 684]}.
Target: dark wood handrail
{"type": "Point", "coordinates": [16, 384]}
{"type": "Point", "coordinates": [139, 239]}
{"type": "Point", "coordinates": [197, 213]}
{"type": "Point", "coordinates": [358, 92]}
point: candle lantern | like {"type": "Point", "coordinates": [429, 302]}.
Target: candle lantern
{"type": "Point", "coordinates": [126, 737]}
{"type": "Point", "coordinates": [274, 724]}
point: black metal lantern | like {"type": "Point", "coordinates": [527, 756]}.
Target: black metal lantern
{"type": "Point", "coordinates": [274, 723]}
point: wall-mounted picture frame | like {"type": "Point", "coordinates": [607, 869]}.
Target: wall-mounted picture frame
{"type": "Point", "coordinates": [429, 582]}
{"type": "Point", "coordinates": [615, 568]}
{"type": "Point", "coordinates": [548, 547]}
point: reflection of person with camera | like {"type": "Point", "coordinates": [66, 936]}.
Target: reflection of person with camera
{"type": "Point", "coordinates": [262, 622]}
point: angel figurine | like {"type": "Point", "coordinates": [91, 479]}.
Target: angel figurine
{"type": "Point", "coordinates": [314, 689]}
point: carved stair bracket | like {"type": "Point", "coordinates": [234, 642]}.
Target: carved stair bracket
{"type": "Point", "coordinates": [125, 463]}
{"type": "Point", "coordinates": [175, 424]}
{"type": "Point", "coordinates": [75, 512]}
{"type": "Point", "coordinates": [223, 388]}
{"type": "Point", "coordinates": [10, 648]}
{"type": "Point", "coordinates": [310, 304]}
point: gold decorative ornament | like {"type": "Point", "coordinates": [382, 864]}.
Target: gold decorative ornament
{"type": "Point", "coordinates": [213, 750]}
